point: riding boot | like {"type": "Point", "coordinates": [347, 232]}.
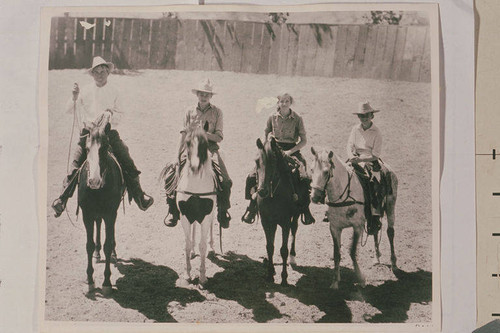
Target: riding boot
{"type": "Point", "coordinates": [142, 200]}
{"type": "Point", "coordinates": [223, 203]}
{"type": "Point", "coordinates": [373, 225]}
{"type": "Point", "coordinates": [70, 182]}
{"type": "Point", "coordinates": [250, 213]}
{"type": "Point", "coordinates": [307, 217]}
{"type": "Point", "coordinates": [305, 190]}
{"type": "Point", "coordinates": [173, 210]}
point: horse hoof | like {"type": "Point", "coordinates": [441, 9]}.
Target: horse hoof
{"type": "Point", "coordinates": [284, 283]}
{"type": "Point", "coordinates": [97, 256]}
{"type": "Point", "coordinates": [292, 261]}
{"type": "Point", "coordinates": [91, 287]}
{"type": "Point", "coordinates": [362, 283]}
{"type": "Point", "coordinates": [193, 255]}
{"type": "Point", "coordinates": [334, 286]}
{"type": "Point", "coordinates": [107, 291]}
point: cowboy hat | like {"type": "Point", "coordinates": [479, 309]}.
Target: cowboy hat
{"type": "Point", "coordinates": [204, 86]}
{"type": "Point", "coordinates": [98, 61]}
{"type": "Point", "coordinates": [365, 108]}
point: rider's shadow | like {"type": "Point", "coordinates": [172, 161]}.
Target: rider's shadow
{"type": "Point", "coordinates": [242, 280]}
{"type": "Point", "coordinates": [149, 289]}
{"type": "Point", "coordinates": [392, 298]}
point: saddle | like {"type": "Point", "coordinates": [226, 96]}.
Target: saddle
{"type": "Point", "coordinates": [374, 191]}
{"type": "Point", "coordinates": [170, 176]}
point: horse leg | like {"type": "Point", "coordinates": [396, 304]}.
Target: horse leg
{"type": "Point", "coordinates": [89, 227]}
{"type": "Point", "coordinates": [377, 248]}
{"type": "Point", "coordinates": [98, 246]}
{"type": "Point", "coordinates": [109, 243]}
{"type": "Point", "coordinates": [270, 231]}
{"type": "Point", "coordinates": [285, 232]}
{"type": "Point", "coordinates": [293, 228]}
{"type": "Point", "coordinates": [211, 242]}
{"type": "Point", "coordinates": [205, 226]}
{"type": "Point", "coordinates": [336, 236]}
{"type": "Point", "coordinates": [193, 241]}
{"type": "Point", "coordinates": [188, 248]}
{"type": "Point", "coordinates": [391, 202]}
{"type": "Point", "coordinates": [354, 248]}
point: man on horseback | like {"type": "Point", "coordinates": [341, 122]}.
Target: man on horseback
{"type": "Point", "coordinates": [287, 127]}
{"type": "Point", "coordinates": [209, 117]}
{"type": "Point", "coordinates": [363, 150]}
{"type": "Point", "coordinates": [99, 101]}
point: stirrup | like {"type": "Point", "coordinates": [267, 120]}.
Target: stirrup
{"type": "Point", "coordinates": [224, 220]}
{"type": "Point", "coordinates": [171, 222]}
{"type": "Point", "coordinates": [144, 204]}
{"type": "Point", "coordinates": [246, 217]}
{"type": "Point", "coordinates": [58, 206]}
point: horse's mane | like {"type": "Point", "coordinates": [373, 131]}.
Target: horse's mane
{"type": "Point", "coordinates": [200, 134]}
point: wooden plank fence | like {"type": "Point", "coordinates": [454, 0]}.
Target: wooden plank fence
{"type": "Point", "coordinates": [352, 51]}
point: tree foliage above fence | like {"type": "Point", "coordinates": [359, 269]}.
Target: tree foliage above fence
{"type": "Point", "coordinates": [370, 51]}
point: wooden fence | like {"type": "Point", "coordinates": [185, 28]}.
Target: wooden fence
{"type": "Point", "coordinates": [353, 51]}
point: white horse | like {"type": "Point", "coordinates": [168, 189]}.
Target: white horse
{"type": "Point", "coordinates": [331, 177]}
{"type": "Point", "coordinates": [196, 197]}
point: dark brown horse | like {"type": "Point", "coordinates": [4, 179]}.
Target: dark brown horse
{"type": "Point", "coordinates": [100, 190]}
{"type": "Point", "coordinates": [275, 204]}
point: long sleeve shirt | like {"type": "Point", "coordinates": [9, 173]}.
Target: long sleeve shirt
{"type": "Point", "coordinates": [211, 115]}
{"type": "Point", "coordinates": [364, 143]}
{"type": "Point", "coordinates": [92, 101]}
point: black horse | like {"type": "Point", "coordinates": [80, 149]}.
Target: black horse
{"type": "Point", "coordinates": [276, 204]}
{"type": "Point", "coordinates": [100, 190]}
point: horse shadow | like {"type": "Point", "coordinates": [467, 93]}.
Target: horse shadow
{"type": "Point", "coordinates": [149, 289]}
{"type": "Point", "coordinates": [242, 280]}
{"type": "Point", "coordinates": [393, 298]}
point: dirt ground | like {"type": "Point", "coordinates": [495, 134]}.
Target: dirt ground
{"type": "Point", "coordinates": [146, 282]}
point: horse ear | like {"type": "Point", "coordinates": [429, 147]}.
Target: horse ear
{"type": "Point", "coordinates": [330, 156]}
{"type": "Point", "coordinates": [259, 144]}
{"type": "Point", "coordinates": [313, 151]}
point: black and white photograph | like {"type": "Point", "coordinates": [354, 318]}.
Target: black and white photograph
{"type": "Point", "coordinates": [240, 165]}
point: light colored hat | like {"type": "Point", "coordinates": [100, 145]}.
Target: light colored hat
{"type": "Point", "coordinates": [365, 108]}
{"type": "Point", "coordinates": [97, 61]}
{"type": "Point", "coordinates": [204, 86]}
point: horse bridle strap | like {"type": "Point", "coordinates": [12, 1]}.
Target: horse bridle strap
{"type": "Point", "coordinates": [347, 189]}
{"type": "Point", "coordinates": [197, 194]}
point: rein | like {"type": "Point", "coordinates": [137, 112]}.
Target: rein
{"type": "Point", "coordinates": [345, 202]}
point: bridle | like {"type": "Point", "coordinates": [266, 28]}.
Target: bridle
{"type": "Point", "coordinates": [339, 202]}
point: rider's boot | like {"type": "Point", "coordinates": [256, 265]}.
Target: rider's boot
{"type": "Point", "coordinates": [70, 182]}
{"type": "Point", "coordinates": [250, 213]}
{"type": "Point", "coordinates": [223, 203]}
{"type": "Point", "coordinates": [173, 210]}
{"type": "Point", "coordinates": [142, 200]}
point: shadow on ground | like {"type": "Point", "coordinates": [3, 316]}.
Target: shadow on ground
{"type": "Point", "coordinates": [242, 280]}
{"type": "Point", "coordinates": [149, 288]}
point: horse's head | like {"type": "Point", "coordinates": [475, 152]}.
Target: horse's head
{"type": "Point", "coordinates": [322, 172]}
{"type": "Point", "coordinates": [266, 166]}
{"type": "Point", "coordinates": [197, 149]}
{"type": "Point", "coordinates": [97, 148]}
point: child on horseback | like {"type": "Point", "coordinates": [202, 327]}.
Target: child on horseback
{"type": "Point", "coordinates": [287, 127]}
{"type": "Point", "coordinates": [97, 101]}
{"type": "Point", "coordinates": [209, 117]}
{"type": "Point", "coordinates": [363, 150]}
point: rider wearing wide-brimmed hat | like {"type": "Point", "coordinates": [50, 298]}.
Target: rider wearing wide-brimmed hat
{"type": "Point", "coordinates": [364, 148]}
{"type": "Point", "coordinates": [210, 118]}
{"type": "Point", "coordinates": [97, 101]}
{"type": "Point", "coordinates": [287, 127]}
